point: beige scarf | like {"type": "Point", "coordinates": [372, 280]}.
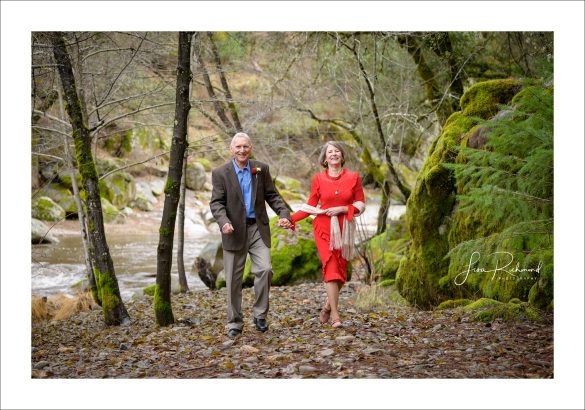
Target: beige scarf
{"type": "Point", "coordinates": [344, 242]}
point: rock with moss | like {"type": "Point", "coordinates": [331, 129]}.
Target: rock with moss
{"type": "Point", "coordinates": [206, 164]}
{"type": "Point", "coordinates": [195, 177]}
{"type": "Point", "coordinates": [294, 256]}
{"type": "Point", "coordinates": [541, 294]}
{"type": "Point", "coordinates": [453, 303]}
{"type": "Point", "coordinates": [144, 199]}
{"type": "Point", "coordinates": [62, 196]}
{"type": "Point", "coordinates": [288, 183]}
{"type": "Point", "coordinates": [430, 206]}
{"type": "Point", "coordinates": [40, 233]}
{"type": "Point", "coordinates": [110, 212]}
{"type": "Point", "coordinates": [486, 310]}
{"type": "Point", "coordinates": [45, 209]}
{"type": "Point", "coordinates": [119, 189]}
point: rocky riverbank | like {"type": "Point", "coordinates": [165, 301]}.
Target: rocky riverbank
{"type": "Point", "coordinates": [381, 339]}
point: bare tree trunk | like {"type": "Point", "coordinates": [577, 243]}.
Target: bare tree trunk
{"type": "Point", "coordinates": [217, 105]}
{"type": "Point", "coordinates": [87, 249]}
{"type": "Point", "coordinates": [224, 84]}
{"type": "Point", "coordinates": [115, 312]}
{"type": "Point", "coordinates": [183, 286]}
{"type": "Point", "coordinates": [393, 174]}
{"type": "Point", "coordinates": [162, 295]}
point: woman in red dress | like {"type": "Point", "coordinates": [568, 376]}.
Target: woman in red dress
{"type": "Point", "coordinates": [341, 197]}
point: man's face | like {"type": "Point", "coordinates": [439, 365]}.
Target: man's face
{"type": "Point", "coordinates": [241, 150]}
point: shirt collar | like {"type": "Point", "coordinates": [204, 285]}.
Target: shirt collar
{"type": "Point", "coordinates": [237, 169]}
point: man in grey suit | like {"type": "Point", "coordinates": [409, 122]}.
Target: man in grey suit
{"type": "Point", "coordinates": [240, 189]}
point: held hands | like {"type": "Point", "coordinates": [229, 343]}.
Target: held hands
{"type": "Point", "coordinates": [284, 223]}
{"type": "Point", "coordinates": [336, 210]}
{"type": "Point", "coordinates": [227, 229]}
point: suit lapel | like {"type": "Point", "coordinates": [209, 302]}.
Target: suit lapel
{"type": "Point", "coordinates": [233, 179]}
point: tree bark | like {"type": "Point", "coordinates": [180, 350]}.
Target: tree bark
{"type": "Point", "coordinates": [443, 48]}
{"type": "Point", "coordinates": [217, 105]}
{"type": "Point", "coordinates": [183, 286]}
{"type": "Point", "coordinates": [87, 248]}
{"type": "Point", "coordinates": [393, 174]}
{"type": "Point", "coordinates": [113, 308]}
{"type": "Point", "coordinates": [162, 295]}
{"type": "Point", "coordinates": [224, 84]}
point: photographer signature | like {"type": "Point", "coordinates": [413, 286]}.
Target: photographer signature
{"type": "Point", "coordinates": [506, 261]}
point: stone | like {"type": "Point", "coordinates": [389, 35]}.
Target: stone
{"type": "Point", "coordinates": [44, 208]}
{"type": "Point", "coordinates": [40, 233]}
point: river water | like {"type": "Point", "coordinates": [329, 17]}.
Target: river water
{"type": "Point", "coordinates": [133, 247]}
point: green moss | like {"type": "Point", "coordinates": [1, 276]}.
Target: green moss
{"type": "Point", "coordinates": [287, 183]}
{"type": "Point", "coordinates": [291, 196]}
{"type": "Point", "coordinates": [149, 290]}
{"type": "Point", "coordinates": [486, 310]}
{"type": "Point", "coordinates": [206, 163]}
{"type": "Point", "coordinates": [162, 309]}
{"type": "Point", "coordinates": [482, 304]}
{"type": "Point", "coordinates": [294, 257]}
{"type": "Point", "coordinates": [482, 99]}
{"type": "Point", "coordinates": [450, 304]}
{"type": "Point", "coordinates": [164, 231]}
{"type": "Point", "coordinates": [541, 294]}
{"type": "Point", "coordinates": [119, 188]}
{"type": "Point", "coordinates": [108, 294]}
{"type": "Point", "coordinates": [387, 282]}
{"type": "Point", "coordinates": [423, 275]}
{"type": "Point", "coordinates": [45, 209]}
{"type": "Point", "coordinates": [168, 186]}
{"type": "Point", "coordinates": [109, 211]}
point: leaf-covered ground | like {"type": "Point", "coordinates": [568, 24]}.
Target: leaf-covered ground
{"type": "Point", "coordinates": [387, 342]}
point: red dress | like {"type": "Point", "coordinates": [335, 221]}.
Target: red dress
{"type": "Point", "coordinates": [343, 190]}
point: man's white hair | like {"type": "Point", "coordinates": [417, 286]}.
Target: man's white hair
{"type": "Point", "coordinates": [240, 135]}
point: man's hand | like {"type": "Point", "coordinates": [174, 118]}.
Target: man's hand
{"type": "Point", "coordinates": [284, 223]}
{"type": "Point", "coordinates": [227, 229]}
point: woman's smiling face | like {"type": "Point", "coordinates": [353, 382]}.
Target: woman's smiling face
{"type": "Point", "coordinates": [333, 155]}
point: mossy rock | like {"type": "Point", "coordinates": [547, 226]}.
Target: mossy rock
{"type": "Point", "coordinates": [294, 256]}
{"type": "Point", "coordinates": [206, 164]}
{"type": "Point", "coordinates": [119, 189]}
{"type": "Point", "coordinates": [387, 282]}
{"type": "Point", "coordinates": [541, 294]}
{"type": "Point", "coordinates": [453, 303]}
{"type": "Point", "coordinates": [45, 209]}
{"type": "Point", "coordinates": [291, 196]}
{"type": "Point", "coordinates": [287, 183]}
{"type": "Point", "coordinates": [195, 177]}
{"type": "Point", "coordinates": [423, 275]}
{"type": "Point", "coordinates": [63, 196]}
{"type": "Point", "coordinates": [482, 99]}
{"type": "Point", "coordinates": [486, 310]}
{"type": "Point", "coordinates": [65, 180]}
{"type": "Point", "coordinates": [110, 212]}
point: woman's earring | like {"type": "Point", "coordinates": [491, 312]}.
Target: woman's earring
{"type": "Point", "coordinates": [326, 164]}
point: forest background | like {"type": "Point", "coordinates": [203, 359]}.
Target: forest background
{"type": "Point", "coordinates": [568, 108]}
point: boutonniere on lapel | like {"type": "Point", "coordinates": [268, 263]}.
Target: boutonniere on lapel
{"type": "Point", "coordinates": [256, 170]}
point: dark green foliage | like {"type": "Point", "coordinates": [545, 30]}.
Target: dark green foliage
{"type": "Point", "coordinates": [505, 204]}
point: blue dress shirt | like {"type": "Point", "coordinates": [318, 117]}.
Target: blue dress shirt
{"type": "Point", "coordinates": [245, 180]}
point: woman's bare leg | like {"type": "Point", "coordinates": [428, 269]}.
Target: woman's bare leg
{"type": "Point", "coordinates": [332, 289]}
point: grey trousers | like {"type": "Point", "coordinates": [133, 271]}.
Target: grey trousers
{"type": "Point", "coordinates": [233, 263]}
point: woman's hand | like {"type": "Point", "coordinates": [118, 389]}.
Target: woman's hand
{"type": "Point", "coordinates": [336, 210]}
